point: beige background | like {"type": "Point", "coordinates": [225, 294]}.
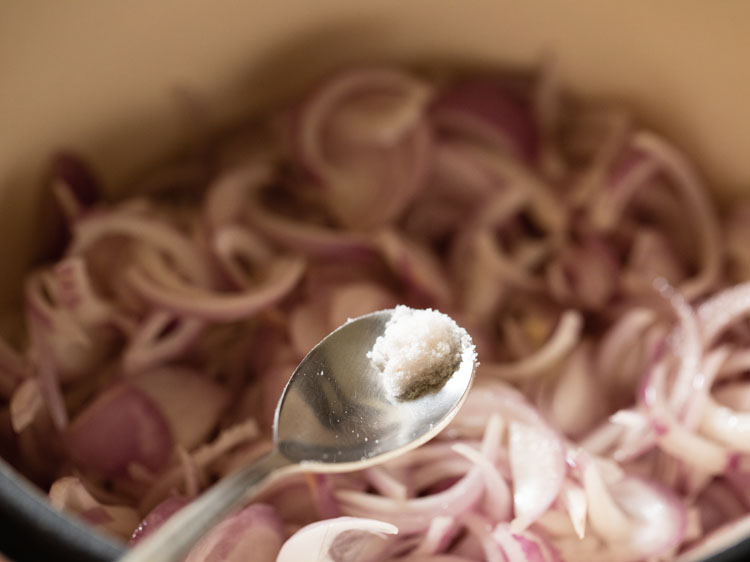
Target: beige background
{"type": "Point", "coordinates": [101, 76]}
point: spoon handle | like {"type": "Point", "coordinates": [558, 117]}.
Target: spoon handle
{"type": "Point", "coordinates": [174, 539]}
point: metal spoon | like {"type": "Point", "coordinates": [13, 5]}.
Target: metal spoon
{"type": "Point", "coordinates": [333, 416]}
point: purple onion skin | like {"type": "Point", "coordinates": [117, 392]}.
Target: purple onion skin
{"type": "Point", "coordinates": [72, 169]}
{"type": "Point", "coordinates": [493, 103]}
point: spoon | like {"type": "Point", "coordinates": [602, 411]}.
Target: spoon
{"type": "Point", "coordinates": [333, 416]}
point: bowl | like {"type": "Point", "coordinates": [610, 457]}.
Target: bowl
{"type": "Point", "coordinates": [115, 81]}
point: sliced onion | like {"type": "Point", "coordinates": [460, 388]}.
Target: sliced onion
{"type": "Point", "coordinates": [689, 350]}
{"type": "Point", "coordinates": [207, 456]}
{"type": "Point", "coordinates": [370, 174]}
{"type": "Point", "coordinates": [537, 463]}
{"type": "Point", "coordinates": [574, 403]}
{"type": "Point", "coordinates": [150, 346]}
{"type": "Point", "coordinates": [417, 267]}
{"type": "Point", "coordinates": [190, 402]}
{"type": "Point", "coordinates": [282, 277]}
{"type": "Point", "coordinates": [487, 111]}
{"type": "Point", "coordinates": [652, 257]}
{"type": "Point", "coordinates": [239, 252]}
{"type": "Point", "coordinates": [605, 515]}
{"type": "Point", "coordinates": [414, 515]}
{"type": "Point", "coordinates": [438, 536]}
{"type": "Point", "coordinates": [586, 274]}
{"type": "Point", "coordinates": [72, 345]}
{"type": "Point", "coordinates": [458, 179]}
{"type": "Point", "coordinates": [69, 494]}
{"type": "Point", "coordinates": [622, 337]}
{"type": "Point", "coordinates": [122, 427]}
{"type": "Point", "coordinates": [307, 238]}
{"type": "Point", "coordinates": [726, 426]}
{"type": "Point", "coordinates": [722, 310]}
{"type": "Point", "coordinates": [25, 404]}
{"type": "Point", "coordinates": [661, 517]}
{"type": "Point", "coordinates": [562, 341]}
{"type": "Point", "coordinates": [674, 438]}
{"type": "Point", "coordinates": [228, 195]}
{"type": "Point", "coordinates": [482, 530]}
{"type": "Point", "coordinates": [151, 232]}
{"type": "Point", "coordinates": [386, 484]}
{"type": "Point", "coordinates": [47, 372]}
{"type": "Point", "coordinates": [526, 546]}
{"type": "Point", "coordinates": [255, 529]}
{"type": "Point", "coordinates": [339, 540]}
{"type": "Point", "coordinates": [498, 502]}
{"type": "Point", "coordinates": [575, 503]}
{"type": "Point", "coordinates": [698, 205]}
{"type": "Point", "coordinates": [435, 558]}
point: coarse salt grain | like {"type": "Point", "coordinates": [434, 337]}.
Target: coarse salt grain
{"type": "Point", "coordinates": [418, 351]}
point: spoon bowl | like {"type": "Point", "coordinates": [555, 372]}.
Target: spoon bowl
{"type": "Point", "coordinates": [335, 415]}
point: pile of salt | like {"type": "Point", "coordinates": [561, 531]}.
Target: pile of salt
{"type": "Point", "coordinates": [418, 351]}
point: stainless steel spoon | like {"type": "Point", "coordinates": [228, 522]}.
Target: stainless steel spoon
{"type": "Point", "coordinates": [333, 416]}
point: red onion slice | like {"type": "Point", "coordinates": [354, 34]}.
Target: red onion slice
{"type": "Point", "coordinates": [255, 529]}
{"type": "Point", "coordinates": [498, 500]}
{"type": "Point", "coordinates": [661, 518]}
{"type": "Point", "coordinates": [309, 239]}
{"type": "Point", "coordinates": [190, 402]}
{"type": "Point", "coordinates": [438, 536]}
{"type": "Point", "coordinates": [70, 495]}
{"type": "Point", "coordinates": [537, 464]}
{"type": "Point", "coordinates": [416, 266]}
{"type": "Point", "coordinates": [575, 503]}
{"type": "Point", "coordinates": [151, 232]}
{"type": "Point", "coordinates": [414, 515]}
{"type": "Point", "coordinates": [122, 427]}
{"type": "Point", "coordinates": [69, 344]}
{"type": "Point", "coordinates": [435, 558]}
{"type": "Point", "coordinates": [368, 175]}
{"type": "Point", "coordinates": [562, 341]}
{"type": "Point", "coordinates": [674, 438]}
{"type": "Point", "coordinates": [282, 276]}
{"type": "Point", "coordinates": [25, 404]}
{"type": "Point", "coordinates": [526, 546]}
{"type": "Point", "coordinates": [150, 346]}
{"type": "Point", "coordinates": [342, 539]}
{"type": "Point", "coordinates": [573, 403]}
{"type": "Point", "coordinates": [482, 530]}
{"type": "Point", "coordinates": [227, 197]}
{"type": "Point", "coordinates": [699, 206]}
{"type": "Point", "coordinates": [722, 310]}
{"type": "Point", "coordinates": [727, 426]}
{"type": "Point", "coordinates": [487, 111]}
{"type": "Point", "coordinates": [585, 274]}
